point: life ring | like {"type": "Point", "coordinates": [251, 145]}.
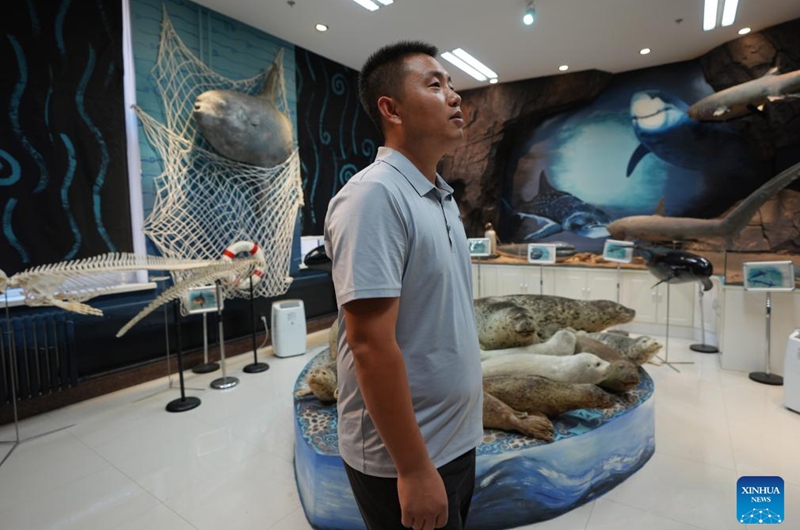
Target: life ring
{"type": "Point", "coordinates": [254, 250]}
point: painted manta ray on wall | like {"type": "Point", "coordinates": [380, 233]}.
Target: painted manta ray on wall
{"type": "Point", "coordinates": [554, 211]}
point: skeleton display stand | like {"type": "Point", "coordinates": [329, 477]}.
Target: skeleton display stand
{"type": "Point", "coordinates": [255, 367]}
{"type": "Point", "coordinates": [12, 353]}
{"type": "Point", "coordinates": [183, 403]}
{"type": "Point", "coordinates": [206, 367]}
{"type": "Point", "coordinates": [224, 382]}
{"type": "Point", "coordinates": [703, 347]}
{"type": "Point", "coordinates": [666, 360]}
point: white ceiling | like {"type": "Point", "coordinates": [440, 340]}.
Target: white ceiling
{"type": "Point", "coordinates": [585, 34]}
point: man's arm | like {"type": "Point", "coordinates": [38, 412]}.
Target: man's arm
{"type": "Point", "coordinates": [382, 378]}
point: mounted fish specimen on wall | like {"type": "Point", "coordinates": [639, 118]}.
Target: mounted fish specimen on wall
{"type": "Point", "coordinates": [749, 97]}
{"type": "Point", "coordinates": [247, 128]}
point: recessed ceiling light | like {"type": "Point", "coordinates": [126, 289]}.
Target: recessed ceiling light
{"type": "Point", "coordinates": [564, 67]}
{"type": "Point", "coordinates": [367, 4]}
{"type": "Point", "coordinates": [530, 14]}
{"type": "Point", "coordinates": [386, 2]}
{"type": "Point", "coordinates": [493, 81]}
{"type": "Point", "coordinates": [744, 31]}
{"type": "Point", "coordinates": [321, 27]}
{"type": "Point", "coordinates": [644, 51]}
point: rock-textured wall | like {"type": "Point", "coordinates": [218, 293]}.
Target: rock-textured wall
{"type": "Point", "coordinates": [498, 116]}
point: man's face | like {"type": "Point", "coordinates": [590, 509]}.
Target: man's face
{"type": "Point", "coordinates": [428, 105]}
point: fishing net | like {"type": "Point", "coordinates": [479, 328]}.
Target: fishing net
{"type": "Point", "coordinates": [204, 201]}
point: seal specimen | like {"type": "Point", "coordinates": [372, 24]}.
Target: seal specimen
{"type": "Point", "coordinates": [562, 343]}
{"type": "Point", "coordinates": [639, 350]}
{"type": "Point", "coordinates": [579, 368]}
{"type": "Point", "coordinates": [500, 325]}
{"type": "Point", "coordinates": [539, 395]}
{"type": "Point", "coordinates": [498, 415]}
{"type": "Point", "coordinates": [504, 324]}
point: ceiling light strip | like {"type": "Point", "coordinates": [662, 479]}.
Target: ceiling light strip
{"type": "Point", "coordinates": [473, 62]}
{"type": "Point", "coordinates": [463, 66]}
{"type": "Point", "coordinates": [386, 2]}
{"type": "Point", "coordinates": [729, 12]}
{"type": "Point", "coordinates": [367, 4]}
{"type": "Point", "coordinates": [710, 14]}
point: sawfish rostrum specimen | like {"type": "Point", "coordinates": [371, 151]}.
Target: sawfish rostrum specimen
{"type": "Point", "coordinates": [677, 266]}
{"type": "Point", "coordinates": [554, 211]}
{"type": "Point", "coordinates": [246, 128]}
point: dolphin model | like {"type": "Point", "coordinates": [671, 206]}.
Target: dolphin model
{"type": "Point", "coordinates": [245, 128]}
{"type": "Point", "coordinates": [663, 127]}
{"type": "Point", "coordinates": [677, 266]}
{"type": "Point", "coordinates": [745, 98]}
{"type": "Point", "coordinates": [554, 211]}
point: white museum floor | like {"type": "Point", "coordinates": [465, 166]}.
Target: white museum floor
{"type": "Point", "coordinates": [127, 464]}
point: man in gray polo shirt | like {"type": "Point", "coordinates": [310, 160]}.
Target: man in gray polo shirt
{"type": "Point", "coordinates": [410, 394]}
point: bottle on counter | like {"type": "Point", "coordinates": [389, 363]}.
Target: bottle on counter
{"type": "Point", "coordinates": [492, 235]}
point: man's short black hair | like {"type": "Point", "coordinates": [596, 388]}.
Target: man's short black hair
{"type": "Point", "coordinates": [383, 74]}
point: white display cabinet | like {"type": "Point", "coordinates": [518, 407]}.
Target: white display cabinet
{"type": "Point", "coordinates": [640, 293]}
{"type": "Point", "coordinates": [523, 279]}
{"type": "Point", "coordinates": [484, 280]}
{"type": "Point", "coordinates": [586, 284]}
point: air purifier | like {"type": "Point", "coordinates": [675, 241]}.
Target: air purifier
{"type": "Point", "coordinates": [288, 328]}
{"type": "Point", "coordinates": [791, 372]}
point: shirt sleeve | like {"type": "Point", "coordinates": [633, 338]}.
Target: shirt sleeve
{"type": "Point", "coordinates": [366, 238]}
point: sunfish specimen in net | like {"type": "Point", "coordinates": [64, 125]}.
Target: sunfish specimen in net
{"type": "Point", "coordinates": [247, 128]}
{"type": "Point", "coordinates": [204, 200]}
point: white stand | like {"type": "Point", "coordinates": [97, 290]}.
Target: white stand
{"type": "Point", "coordinates": [12, 351]}
{"type": "Point", "coordinates": [619, 279]}
{"type": "Point", "coordinates": [224, 382]}
{"type": "Point", "coordinates": [480, 290]}
{"type": "Point", "coordinates": [766, 377]}
{"type": "Point", "coordinates": [666, 360]}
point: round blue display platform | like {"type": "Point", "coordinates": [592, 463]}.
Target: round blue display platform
{"type": "Point", "coordinates": [519, 480]}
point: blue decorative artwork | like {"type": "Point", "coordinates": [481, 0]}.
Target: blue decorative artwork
{"type": "Point", "coordinates": [519, 480]}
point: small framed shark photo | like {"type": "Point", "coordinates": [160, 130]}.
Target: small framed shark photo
{"type": "Point", "coordinates": [618, 251]}
{"type": "Point", "coordinates": [480, 247]}
{"type": "Point", "coordinates": [541, 253]}
{"type": "Point", "coordinates": [768, 275]}
{"type": "Point", "coordinates": [201, 299]}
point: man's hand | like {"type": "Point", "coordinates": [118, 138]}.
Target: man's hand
{"type": "Point", "coordinates": [423, 499]}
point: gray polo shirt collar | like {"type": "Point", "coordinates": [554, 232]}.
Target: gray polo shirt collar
{"type": "Point", "coordinates": [403, 165]}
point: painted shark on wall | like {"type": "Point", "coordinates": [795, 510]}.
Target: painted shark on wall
{"type": "Point", "coordinates": [664, 128]}
{"type": "Point", "coordinates": [553, 211]}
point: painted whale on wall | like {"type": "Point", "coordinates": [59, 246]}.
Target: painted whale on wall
{"type": "Point", "coordinates": [553, 211]}
{"type": "Point", "coordinates": [664, 128]}
{"type": "Point", "coordinates": [245, 128]}
{"type": "Point", "coordinates": [677, 266]}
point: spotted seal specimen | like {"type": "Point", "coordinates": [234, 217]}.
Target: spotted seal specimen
{"type": "Point", "coordinates": [584, 343]}
{"type": "Point", "coordinates": [579, 368]}
{"type": "Point", "coordinates": [622, 376]}
{"type": "Point", "coordinates": [498, 415]}
{"type": "Point", "coordinates": [540, 317]}
{"type": "Point", "coordinates": [562, 343]}
{"type": "Point", "coordinates": [322, 382]}
{"type": "Point", "coordinates": [539, 395]}
{"type": "Point", "coordinates": [504, 324]}
{"type": "Point", "coordinates": [639, 350]}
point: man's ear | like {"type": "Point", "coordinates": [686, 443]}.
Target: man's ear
{"type": "Point", "coordinates": [388, 109]}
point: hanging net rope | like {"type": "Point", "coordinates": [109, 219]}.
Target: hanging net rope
{"type": "Point", "coordinates": [204, 201]}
